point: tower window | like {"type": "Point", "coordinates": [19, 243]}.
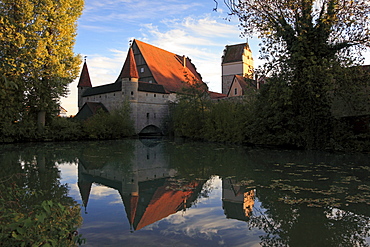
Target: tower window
{"type": "Point", "coordinates": [132, 92]}
{"type": "Point", "coordinates": [155, 95]}
{"type": "Point", "coordinates": [141, 70]}
{"type": "Point", "coordinates": [147, 115]}
{"type": "Point", "coordinates": [236, 91]}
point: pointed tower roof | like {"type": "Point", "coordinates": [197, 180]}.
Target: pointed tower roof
{"type": "Point", "coordinates": [129, 69]}
{"type": "Point", "coordinates": [85, 77]}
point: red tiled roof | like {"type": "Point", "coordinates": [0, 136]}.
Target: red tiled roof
{"type": "Point", "coordinates": [129, 69]}
{"type": "Point", "coordinates": [214, 95]}
{"type": "Point", "coordinates": [85, 77]}
{"type": "Point", "coordinates": [167, 68]}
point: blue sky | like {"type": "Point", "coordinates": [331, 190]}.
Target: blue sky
{"type": "Point", "coordinates": [184, 27]}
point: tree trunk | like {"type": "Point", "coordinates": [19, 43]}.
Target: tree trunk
{"type": "Point", "coordinates": [41, 121]}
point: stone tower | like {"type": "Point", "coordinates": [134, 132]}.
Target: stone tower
{"type": "Point", "coordinates": [130, 77]}
{"type": "Point", "coordinates": [83, 84]}
{"type": "Point", "coordinates": [236, 60]}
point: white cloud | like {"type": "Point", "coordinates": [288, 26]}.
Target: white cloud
{"type": "Point", "coordinates": [209, 27]}
{"type": "Point", "coordinates": [116, 10]}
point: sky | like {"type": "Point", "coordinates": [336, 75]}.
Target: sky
{"type": "Point", "coordinates": [183, 27]}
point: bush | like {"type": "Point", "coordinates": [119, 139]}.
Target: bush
{"type": "Point", "coordinates": [49, 223]}
{"type": "Point", "coordinates": [64, 129]}
{"type": "Point", "coordinates": [114, 125]}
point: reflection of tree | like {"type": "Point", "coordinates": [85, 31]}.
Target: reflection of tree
{"type": "Point", "coordinates": [36, 207]}
{"type": "Point", "coordinates": [37, 171]}
{"type": "Point", "coordinates": [117, 154]}
{"type": "Point", "coordinates": [299, 225]}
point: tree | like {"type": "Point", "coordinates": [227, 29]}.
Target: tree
{"type": "Point", "coordinates": [306, 43]}
{"type": "Point", "coordinates": [36, 52]}
{"type": "Point", "coordinates": [188, 115]}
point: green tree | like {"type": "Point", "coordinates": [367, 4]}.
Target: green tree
{"type": "Point", "coordinates": [306, 43]}
{"type": "Point", "coordinates": [189, 114]}
{"type": "Point", "coordinates": [36, 51]}
{"type": "Point", "coordinates": [110, 125]}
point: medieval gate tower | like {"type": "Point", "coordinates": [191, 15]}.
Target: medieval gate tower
{"type": "Point", "coordinates": [236, 60]}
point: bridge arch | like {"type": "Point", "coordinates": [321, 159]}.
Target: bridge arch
{"type": "Point", "coordinates": [151, 130]}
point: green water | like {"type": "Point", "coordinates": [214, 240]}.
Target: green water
{"type": "Point", "coordinates": [154, 192]}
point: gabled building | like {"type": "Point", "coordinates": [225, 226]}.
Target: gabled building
{"type": "Point", "coordinates": [150, 78]}
{"type": "Point", "coordinates": [241, 85]}
{"type": "Point", "coordinates": [236, 60]}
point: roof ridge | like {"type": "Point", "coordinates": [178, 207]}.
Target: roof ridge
{"type": "Point", "coordinates": [167, 68]}
{"type": "Point", "coordinates": [138, 41]}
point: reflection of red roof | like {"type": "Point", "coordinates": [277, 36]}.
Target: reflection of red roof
{"type": "Point", "coordinates": [168, 69]}
{"type": "Point", "coordinates": [131, 211]}
{"type": "Point", "coordinates": [85, 77]}
{"type": "Point", "coordinates": [164, 202]}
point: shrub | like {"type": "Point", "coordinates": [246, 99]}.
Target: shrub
{"type": "Point", "coordinates": [24, 223]}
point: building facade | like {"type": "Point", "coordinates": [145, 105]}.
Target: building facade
{"type": "Point", "coordinates": [236, 60]}
{"type": "Point", "coordinates": [150, 79]}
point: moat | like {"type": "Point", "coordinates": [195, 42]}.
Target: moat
{"type": "Point", "coordinates": [152, 192]}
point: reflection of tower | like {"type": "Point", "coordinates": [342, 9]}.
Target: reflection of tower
{"type": "Point", "coordinates": [148, 187]}
{"type": "Point", "coordinates": [158, 199]}
{"type": "Point", "coordinates": [236, 201]}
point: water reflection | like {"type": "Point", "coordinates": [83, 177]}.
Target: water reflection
{"type": "Point", "coordinates": [148, 187]}
{"type": "Point", "coordinates": [237, 202]}
{"type": "Point", "coordinates": [199, 194]}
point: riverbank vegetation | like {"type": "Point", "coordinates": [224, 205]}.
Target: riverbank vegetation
{"type": "Point", "coordinates": [266, 117]}
{"type": "Point", "coordinates": [103, 125]}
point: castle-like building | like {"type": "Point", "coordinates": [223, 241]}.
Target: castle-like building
{"type": "Point", "coordinates": [151, 78]}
